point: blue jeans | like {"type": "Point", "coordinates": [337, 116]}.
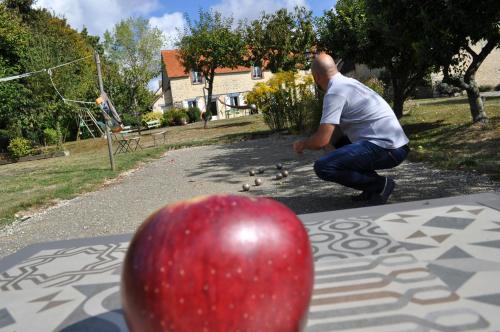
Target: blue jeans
{"type": "Point", "coordinates": [354, 165]}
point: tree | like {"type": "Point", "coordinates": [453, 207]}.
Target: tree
{"type": "Point", "coordinates": [13, 47]}
{"type": "Point", "coordinates": [53, 42]}
{"type": "Point", "coordinates": [379, 33]}
{"type": "Point", "coordinates": [134, 46]}
{"type": "Point", "coordinates": [281, 39]}
{"type": "Point", "coordinates": [451, 29]}
{"type": "Point", "coordinates": [208, 44]}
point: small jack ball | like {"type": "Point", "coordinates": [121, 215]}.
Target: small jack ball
{"type": "Point", "coordinates": [279, 166]}
{"type": "Point", "coordinates": [246, 187]}
{"type": "Point", "coordinates": [284, 173]}
{"type": "Point", "coordinates": [251, 172]}
{"type": "Point", "coordinates": [279, 176]}
{"type": "Point", "coordinates": [258, 182]}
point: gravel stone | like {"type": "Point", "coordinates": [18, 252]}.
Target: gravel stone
{"type": "Point", "coordinates": [120, 207]}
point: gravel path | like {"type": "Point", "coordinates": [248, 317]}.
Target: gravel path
{"type": "Point", "coordinates": [122, 206]}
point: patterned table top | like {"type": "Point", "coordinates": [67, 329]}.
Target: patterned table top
{"type": "Point", "coordinates": [422, 266]}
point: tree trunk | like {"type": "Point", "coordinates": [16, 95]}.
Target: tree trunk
{"type": "Point", "coordinates": [208, 111]}
{"type": "Point", "coordinates": [138, 118]}
{"type": "Point", "coordinates": [398, 97]}
{"type": "Point", "coordinates": [476, 104]}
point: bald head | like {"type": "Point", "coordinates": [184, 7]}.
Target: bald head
{"type": "Point", "coordinates": [323, 68]}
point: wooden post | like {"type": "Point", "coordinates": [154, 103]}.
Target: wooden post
{"type": "Point", "coordinates": [107, 131]}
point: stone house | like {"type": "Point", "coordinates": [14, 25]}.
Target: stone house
{"type": "Point", "coordinates": [183, 90]}
{"type": "Point", "coordinates": [159, 101]}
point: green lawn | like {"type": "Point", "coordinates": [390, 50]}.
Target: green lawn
{"type": "Point", "coordinates": [441, 133]}
{"type": "Point", "coordinates": [30, 185]}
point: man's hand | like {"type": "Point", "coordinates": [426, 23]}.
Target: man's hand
{"type": "Point", "coordinates": [299, 146]}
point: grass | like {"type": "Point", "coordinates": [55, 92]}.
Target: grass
{"type": "Point", "coordinates": [30, 185]}
{"type": "Point", "coordinates": [441, 132]}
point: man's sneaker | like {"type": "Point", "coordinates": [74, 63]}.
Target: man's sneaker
{"type": "Point", "coordinates": [386, 192]}
{"type": "Point", "coordinates": [363, 197]}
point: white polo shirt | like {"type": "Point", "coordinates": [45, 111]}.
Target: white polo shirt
{"type": "Point", "coordinates": [361, 113]}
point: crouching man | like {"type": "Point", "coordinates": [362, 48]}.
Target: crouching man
{"type": "Point", "coordinates": [372, 135]}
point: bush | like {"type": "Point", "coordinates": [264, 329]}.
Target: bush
{"type": "Point", "coordinates": [175, 116]}
{"type": "Point", "coordinates": [287, 101]}
{"type": "Point", "coordinates": [51, 136]}
{"type": "Point", "coordinates": [376, 85]}
{"type": "Point", "coordinates": [444, 89]}
{"type": "Point", "coordinates": [19, 147]}
{"type": "Point", "coordinates": [130, 120]}
{"type": "Point", "coordinates": [152, 116]}
{"type": "Point", "coordinates": [194, 114]}
{"type": "Point", "coordinates": [497, 88]}
{"type": "Point", "coordinates": [4, 139]}
{"type": "Point", "coordinates": [484, 88]}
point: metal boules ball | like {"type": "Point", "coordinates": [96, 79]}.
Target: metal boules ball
{"type": "Point", "coordinates": [251, 172]}
{"type": "Point", "coordinates": [260, 171]}
{"type": "Point", "coordinates": [284, 173]}
{"type": "Point", "coordinates": [279, 166]}
{"type": "Point", "coordinates": [258, 182]}
{"type": "Point", "coordinates": [279, 176]}
{"type": "Point", "coordinates": [246, 187]}
{"type": "Point", "coordinates": [253, 107]}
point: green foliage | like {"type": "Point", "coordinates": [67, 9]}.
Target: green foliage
{"type": "Point", "coordinates": [287, 101]}
{"type": "Point", "coordinates": [19, 147]}
{"type": "Point", "coordinates": [152, 116]}
{"type": "Point", "coordinates": [210, 43]}
{"type": "Point", "coordinates": [175, 117]}
{"type": "Point", "coordinates": [376, 85]}
{"type": "Point", "coordinates": [51, 136]}
{"type": "Point", "coordinates": [382, 34]}
{"type": "Point", "coordinates": [447, 30]}
{"type": "Point", "coordinates": [484, 88]}
{"type": "Point", "coordinates": [14, 37]}
{"type": "Point", "coordinates": [194, 114]}
{"type": "Point", "coordinates": [132, 50]}
{"type": "Point", "coordinates": [497, 88]}
{"type": "Point", "coordinates": [130, 120]}
{"type": "Point", "coordinates": [280, 39]}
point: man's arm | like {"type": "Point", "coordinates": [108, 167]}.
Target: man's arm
{"type": "Point", "coordinates": [318, 140]}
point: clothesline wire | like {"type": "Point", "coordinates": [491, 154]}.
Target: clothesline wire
{"type": "Point", "coordinates": [49, 72]}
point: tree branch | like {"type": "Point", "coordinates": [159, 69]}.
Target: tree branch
{"type": "Point", "coordinates": [479, 58]}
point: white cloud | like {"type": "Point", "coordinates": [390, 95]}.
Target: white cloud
{"type": "Point", "coordinates": [169, 24]}
{"type": "Point", "coordinates": [252, 9]}
{"type": "Point", "coordinates": [98, 15]}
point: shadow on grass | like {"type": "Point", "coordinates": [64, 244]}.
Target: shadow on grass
{"type": "Point", "coordinates": [457, 101]}
{"type": "Point", "coordinates": [211, 125]}
{"type": "Point", "coordinates": [416, 128]}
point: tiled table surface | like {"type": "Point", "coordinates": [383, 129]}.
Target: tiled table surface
{"type": "Point", "coordinates": [422, 266]}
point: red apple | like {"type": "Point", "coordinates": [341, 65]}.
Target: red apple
{"type": "Point", "coordinates": [219, 263]}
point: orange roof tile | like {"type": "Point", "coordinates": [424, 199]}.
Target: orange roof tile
{"type": "Point", "coordinates": [175, 69]}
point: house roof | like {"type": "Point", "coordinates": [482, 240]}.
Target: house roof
{"type": "Point", "coordinates": [174, 67]}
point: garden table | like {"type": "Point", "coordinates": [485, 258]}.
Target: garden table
{"type": "Point", "coordinates": [421, 266]}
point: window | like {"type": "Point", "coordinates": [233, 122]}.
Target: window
{"type": "Point", "coordinates": [196, 77]}
{"type": "Point", "coordinates": [234, 100]}
{"type": "Point", "coordinates": [192, 103]}
{"type": "Point", "coordinates": [256, 72]}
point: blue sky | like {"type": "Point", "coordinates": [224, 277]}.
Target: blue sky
{"type": "Point", "coordinates": [168, 15]}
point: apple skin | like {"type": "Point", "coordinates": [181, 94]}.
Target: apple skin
{"type": "Point", "coordinates": [219, 263]}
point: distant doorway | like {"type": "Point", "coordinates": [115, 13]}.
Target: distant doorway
{"type": "Point", "coordinates": [213, 109]}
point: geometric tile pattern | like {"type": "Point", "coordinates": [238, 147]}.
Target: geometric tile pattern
{"type": "Point", "coordinates": [432, 269]}
{"type": "Point", "coordinates": [349, 238]}
{"type": "Point", "coordinates": [387, 292]}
